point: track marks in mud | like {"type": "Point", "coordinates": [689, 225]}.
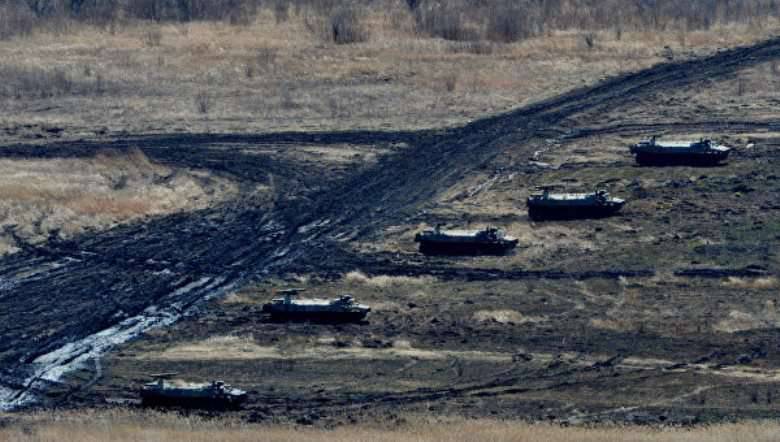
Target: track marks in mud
{"type": "Point", "coordinates": [229, 241]}
{"type": "Point", "coordinates": [536, 373]}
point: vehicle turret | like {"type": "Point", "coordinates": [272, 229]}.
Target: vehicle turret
{"type": "Point", "coordinates": [341, 309]}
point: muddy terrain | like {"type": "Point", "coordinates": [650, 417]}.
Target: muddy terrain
{"type": "Point", "coordinates": [664, 313]}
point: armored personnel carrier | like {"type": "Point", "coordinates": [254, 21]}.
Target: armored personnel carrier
{"type": "Point", "coordinates": [546, 205]}
{"type": "Point", "coordinates": [488, 241]}
{"type": "Point", "coordinates": [213, 395]}
{"type": "Point", "coordinates": [341, 309]}
{"type": "Point", "coordinates": [703, 152]}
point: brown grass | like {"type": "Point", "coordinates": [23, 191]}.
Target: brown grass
{"type": "Point", "coordinates": [126, 426]}
{"type": "Point", "coordinates": [70, 195]}
{"type": "Point", "coordinates": [276, 74]}
{"type": "Point", "coordinates": [768, 282]}
{"type": "Point", "coordinates": [236, 348]}
{"type": "Point", "coordinates": [383, 281]}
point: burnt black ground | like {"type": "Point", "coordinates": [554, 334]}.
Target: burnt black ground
{"type": "Point", "coordinates": [97, 280]}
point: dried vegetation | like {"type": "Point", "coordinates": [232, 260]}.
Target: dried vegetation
{"type": "Point", "coordinates": [123, 426]}
{"type": "Point", "coordinates": [59, 198]}
{"type": "Point", "coordinates": [157, 65]}
{"type": "Point", "coordinates": [233, 66]}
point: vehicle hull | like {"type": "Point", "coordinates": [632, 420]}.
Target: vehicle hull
{"type": "Point", "coordinates": [543, 212]}
{"type": "Point", "coordinates": [680, 159]}
{"type": "Point", "coordinates": [157, 399]}
{"type": "Point", "coordinates": [282, 315]}
{"type": "Point", "coordinates": [429, 247]}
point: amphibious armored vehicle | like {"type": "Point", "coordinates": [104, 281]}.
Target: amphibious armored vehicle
{"type": "Point", "coordinates": [546, 205]}
{"type": "Point", "coordinates": [341, 309]}
{"type": "Point", "coordinates": [703, 152]}
{"type": "Point", "coordinates": [488, 241]}
{"type": "Point", "coordinates": [213, 395]}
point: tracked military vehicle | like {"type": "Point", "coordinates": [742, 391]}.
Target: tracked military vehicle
{"type": "Point", "coordinates": [697, 153]}
{"type": "Point", "coordinates": [214, 395]}
{"type": "Point", "coordinates": [341, 309]}
{"type": "Point", "coordinates": [547, 205]}
{"type": "Point", "coordinates": [488, 241]}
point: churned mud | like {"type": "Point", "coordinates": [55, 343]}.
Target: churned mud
{"type": "Point", "coordinates": [664, 313]}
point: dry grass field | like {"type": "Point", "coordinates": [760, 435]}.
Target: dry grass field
{"type": "Point", "coordinates": [133, 427]}
{"type": "Point", "coordinates": [67, 80]}
{"type": "Point", "coordinates": [153, 162]}
{"type": "Point", "coordinates": [45, 199]}
{"type": "Point", "coordinates": [272, 75]}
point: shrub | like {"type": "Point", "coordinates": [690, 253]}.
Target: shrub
{"type": "Point", "coordinates": [413, 4]}
{"type": "Point", "coordinates": [23, 83]}
{"type": "Point", "coordinates": [507, 25]}
{"type": "Point", "coordinates": [444, 22]}
{"type": "Point", "coordinates": [589, 39]}
{"type": "Point", "coordinates": [243, 13]}
{"type": "Point", "coordinates": [202, 102]}
{"type": "Point", "coordinates": [471, 47]}
{"type": "Point", "coordinates": [235, 11]}
{"type": "Point", "coordinates": [742, 87]}
{"type": "Point", "coordinates": [42, 8]}
{"type": "Point", "coordinates": [152, 37]}
{"type": "Point", "coordinates": [97, 12]}
{"type": "Point", "coordinates": [100, 86]}
{"type": "Point", "coordinates": [33, 82]}
{"type": "Point", "coordinates": [346, 26]}
{"type": "Point", "coordinates": [263, 61]}
{"type": "Point", "coordinates": [15, 20]}
{"type": "Point", "coordinates": [281, 11]}
{"type": "Point", "coordinates": [456, 20]}
{"type": "Point", "coordinates": [450, 82]}
{"type": "Point", "coordinates": [145, 9]}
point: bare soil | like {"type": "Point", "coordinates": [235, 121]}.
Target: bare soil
{"type": "Point", "coordinates": [665, 313]}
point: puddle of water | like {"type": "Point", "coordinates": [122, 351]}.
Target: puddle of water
{"type": "Point", "coordinates": [52, 366]}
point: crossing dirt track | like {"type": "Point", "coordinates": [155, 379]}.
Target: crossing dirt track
{"type": "Point", "coordinates": [64, 303]}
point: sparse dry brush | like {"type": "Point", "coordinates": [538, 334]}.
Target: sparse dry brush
{"type": "Point", "coordinates": [34, 82]}
{"type": "Point", "coordinates": [457, 20]}
{"type": "Point", "coordinates": [203, 102]}
{"type": "Point", "coordinates": [152, 37]}
{"type": "Point", "coordinates": [15, 20]}
{"type": "Point", "coordinates": [127, 426]}
{"type": "Point", "coordinates": [68, 195]}
{"type": "Point", "coordinates": [347, 27]}
{"type": "Point", "coordinates": [165, 64]}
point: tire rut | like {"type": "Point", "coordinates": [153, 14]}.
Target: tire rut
{"type": "Point", "coordinates": [145, 269]}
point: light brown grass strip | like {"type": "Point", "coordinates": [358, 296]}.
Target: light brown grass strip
{"type": "Point", "coordinates": [125, 426]}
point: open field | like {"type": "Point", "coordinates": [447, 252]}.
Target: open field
{"type": "Point", "coordinates": [121, 426]}
{"type": "Point", "coordinates": [163, 178]}
{"type": "Point", "coordinates": [134, 77]}
{"type": "Point", "coordinates": [69, 81]}
{"type": "Point", "coordinates": [617, 320]}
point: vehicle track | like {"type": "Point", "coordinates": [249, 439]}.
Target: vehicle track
{"type": "Point", "coordinates": [110, 286]}
{"type": "Point", "coordinates": [554, 374]}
